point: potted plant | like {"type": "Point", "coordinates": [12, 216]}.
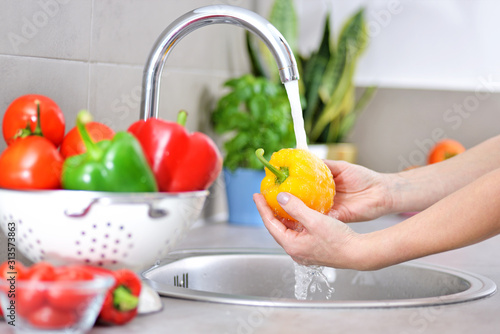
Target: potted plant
{"type": "Point", "coordinates": [329, 102]}
{"type": "Point", "coordinates": [255, 113]}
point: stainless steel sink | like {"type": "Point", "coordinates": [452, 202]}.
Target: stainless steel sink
{"type": "Point", "coordinates": [263, 277]}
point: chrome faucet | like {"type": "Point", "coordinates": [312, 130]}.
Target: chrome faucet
{"type": "Point", "coordinates": [202, 17]}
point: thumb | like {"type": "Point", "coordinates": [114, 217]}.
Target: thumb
{"type": "Point", "coordinates": [297, 209]}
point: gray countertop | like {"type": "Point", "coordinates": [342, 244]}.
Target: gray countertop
{"type": "Point", "coordinates": [183, 316]}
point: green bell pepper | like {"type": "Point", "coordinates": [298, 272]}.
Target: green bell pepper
{"type": "Point", "coordinates": [117, 165]}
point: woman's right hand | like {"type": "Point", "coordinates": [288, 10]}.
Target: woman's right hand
{"type": "Point", "coordinates": [361, 194]}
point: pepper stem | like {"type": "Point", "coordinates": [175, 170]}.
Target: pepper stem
{"type": "Point", "coordinates": [84, 116]}
{"type": "Point", "coordinates": [124, 300]}
{"type": "Point", "coordinates": [92, 149]}
{"type": "Point", "coordinates": [281, 174]}
{"type": "Point", "coordinates": [182, 117]}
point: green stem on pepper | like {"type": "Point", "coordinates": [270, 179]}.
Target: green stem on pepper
{"type": "Point", "coordinates": [182, 118]}
{"type": "Point", "coordinates": [93, 150]}
{"type": "Point", "coordinates": [84, 116]}
{"type": "Point", "coordinates": [281, 174]}
{"type": "Point", "coordinates": [124, 300]}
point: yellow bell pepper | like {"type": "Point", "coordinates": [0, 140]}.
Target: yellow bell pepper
{"type": "Point", "coordinates": [300, 173]}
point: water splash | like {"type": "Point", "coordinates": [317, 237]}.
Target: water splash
{"type": "Point", "coordinates": [311, 283]}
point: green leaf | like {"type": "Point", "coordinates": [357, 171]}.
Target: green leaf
{"type": "Point", "coordinates": [336, 92]}
{"type": "Point", "coordinates": [258, 68]}
{"type": "Point", "coordinates": [283, 17]}
{"type": "Point", "coordinates": [255, 113]}
{"type": "Point", "coordinates": [365, 98]}
{"type": "Point", "coordinates": [258, 106]}
{"type": "Point", "coordinates": [352, 42]}
{"type": "Point", "coordinates": [323, 53]}
{"type": "Point", "coordinates": [313, 75]}
{"type": "Point", "coordinates": [349, 120]}
{"type": "Point", "coordinates": [332, 110]}
{"type": "Point", "coordinates": [346, 126]}
{"type": "Point", "coordinates": [346, 111]}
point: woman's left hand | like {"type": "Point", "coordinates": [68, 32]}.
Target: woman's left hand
{"type": "Point", "coordinates": [322, 240]}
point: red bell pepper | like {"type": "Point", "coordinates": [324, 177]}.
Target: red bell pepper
{"type": "Point", "coordinates": [122, 300]}
{"type": "Point", "coordinates": [181, 161]}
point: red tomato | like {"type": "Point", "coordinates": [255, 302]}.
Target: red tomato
{"type": "Point", "coordinates": [445, 149]}
{"type": "Point", "coordinates": [23, 111]}
{"type": "Point", "coordinates": [31, 163]}
{"type": "Point", "coordinates": [73, 144]}
{"type": "Point", "coordinates": [48, 317]}
{"type": "Point", "coordinates": [62, 297]}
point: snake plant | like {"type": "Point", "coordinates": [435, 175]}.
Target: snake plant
{"type": "Point", "coordinates": [329, 102]}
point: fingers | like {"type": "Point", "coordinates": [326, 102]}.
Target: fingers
{"type": "Point", "coordinates": [283, 232]}
{"type": "Point", "coordinates": [334, 214]}
{"type": "Point", "coordinates": [336, 167]}
{"type": "Point", "coordinates": [275, 227]}
{"type": "Point", "coordinates": [298, 210]}
{"type": "Point", "coordinates": [291, 240]}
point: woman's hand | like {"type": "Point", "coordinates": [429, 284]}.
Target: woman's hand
{"type": "Point", "coordinates": [361, 194]}
{"type": "Point", "coordinates": [465, 217]}
{"type": "Point", "coordinates": [459, 199]}
{"type": "Point", "coordinates": [322, 240]}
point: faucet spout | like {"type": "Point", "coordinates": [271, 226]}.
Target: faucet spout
{"type": "Point", "coordinates": [202, 17]}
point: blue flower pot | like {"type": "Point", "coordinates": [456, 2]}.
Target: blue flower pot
{"type": "Point", "coordinates": [240, 187]}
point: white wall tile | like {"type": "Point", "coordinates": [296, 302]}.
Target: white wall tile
{"type": "Point", "coordinates": [46, 28]}
{"type": "Point", "coordinates": [125, 31]}
{"type": "Point", "coordinates": [115, 94]}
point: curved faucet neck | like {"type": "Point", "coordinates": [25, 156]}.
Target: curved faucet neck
{"type": "Point", "coordinates": [202, 17]}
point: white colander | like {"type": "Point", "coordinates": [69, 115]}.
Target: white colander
{"type": "Point", "coordinates": [113, 230]}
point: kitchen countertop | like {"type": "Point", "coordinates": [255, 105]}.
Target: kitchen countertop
{"type": "Point", "coordinates": [183, 316]}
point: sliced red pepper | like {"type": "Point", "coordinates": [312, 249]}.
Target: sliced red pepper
{"type": "Point", "coordinates": [64, 298]}
{"type": "Point", "coordinates": [29, 296]}
{"type": "Point", "coordinates": [41, 271]}
{"type": "Point", "coordinates": [47, 317]}
{"type": "Point", "coordinates": [121, 301]}
{"type": "Point", "coordinates": [181, 161]}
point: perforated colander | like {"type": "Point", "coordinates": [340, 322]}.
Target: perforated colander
{"type": "Point", "coordinates": [113, 230]}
